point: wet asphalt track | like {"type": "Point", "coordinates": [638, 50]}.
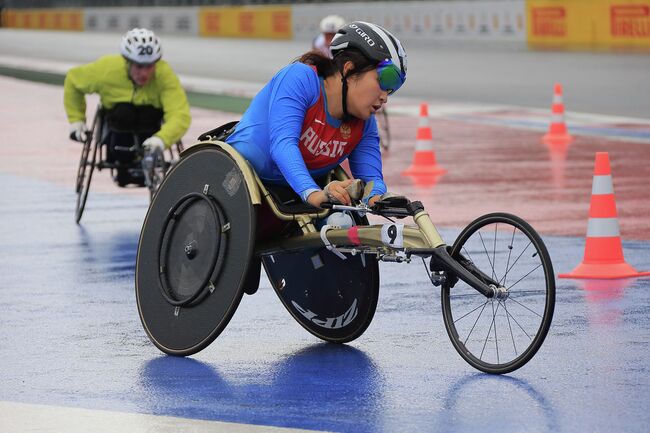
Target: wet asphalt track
{"type": "Point", "coordinates": [71, 335]}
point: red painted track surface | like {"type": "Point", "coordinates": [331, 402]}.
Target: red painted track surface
{"type": "Point", "coordinates": [490, 168]}
{"type": "Point", "coordinates": [504, 169]}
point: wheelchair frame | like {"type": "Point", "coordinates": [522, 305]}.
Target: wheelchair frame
{"type": "Point", "coordinates": [94, 148]}
{"type": "Point", "coordinates": [448, 266]}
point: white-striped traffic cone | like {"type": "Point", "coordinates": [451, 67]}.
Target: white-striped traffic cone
{"type": "Point", "coordinates": [557, 131]}
{"type": "Point", "coordinates": [424, 160]}
{"type": "Point", "coordinates": [603, 250]}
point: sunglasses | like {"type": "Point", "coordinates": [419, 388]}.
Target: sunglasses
{"type": "Point", "coordinates": [390, 76]}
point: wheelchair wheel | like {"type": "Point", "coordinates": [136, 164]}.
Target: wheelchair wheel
{"type": "Point", "coordinates": [194, 252]}
{"type": "Point", "coordinates": [87, 167]}
{"type": "Point", "coordinates": [161, 167]}
{"type": "Point", "coordinates": [155, 174]}
{"type": "Point", "coordinates": [333, 299]}
{"type": "Point", "coordinates": [500, 335]}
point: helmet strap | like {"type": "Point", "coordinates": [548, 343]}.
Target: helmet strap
{"type": "Point", "coordinates": [344, 96]}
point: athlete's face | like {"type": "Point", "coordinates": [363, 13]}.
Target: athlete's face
{"type": "Point", "coordinates": [141, 74]}
{"type": "Point", "coordinates": [365, 97]}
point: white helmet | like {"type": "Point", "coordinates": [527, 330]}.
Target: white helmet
{"type": "Point", "coordinates": [141, 46]}
{"type": "Point", "coordinates": [331, 24]}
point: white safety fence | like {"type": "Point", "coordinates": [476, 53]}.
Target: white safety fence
{"type": "Point", "coordinates": [490, 20]}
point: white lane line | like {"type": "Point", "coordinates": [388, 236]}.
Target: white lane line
{"type": "Point", "coordinates": [22, 417]}
{"type": "Point", "coordinates": [445, 108]}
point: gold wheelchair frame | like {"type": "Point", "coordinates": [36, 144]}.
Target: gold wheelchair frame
{"type": "Point", "coordinates": [470, 281]}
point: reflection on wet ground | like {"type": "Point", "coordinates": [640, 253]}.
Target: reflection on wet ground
{"type": "Point", "coordinates": [71, 336]}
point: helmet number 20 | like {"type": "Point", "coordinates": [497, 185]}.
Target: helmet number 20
{"type": "Point", "coordinates": [393, 235]}
{"type": "Point", "coordinates": [145, 50]}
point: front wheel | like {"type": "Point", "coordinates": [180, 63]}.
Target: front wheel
{"type": "Point", "coordinates": [501, 334]}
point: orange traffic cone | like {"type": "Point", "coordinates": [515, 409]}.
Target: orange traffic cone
{"type": "Point", "coordinates": [424, 161]}
{"type": "Point", "coordinates": [603, 250]}
{"type": "Point", "coordinates": [557, 131]}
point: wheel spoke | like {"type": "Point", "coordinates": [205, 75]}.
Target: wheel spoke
{"type": "Point", "coordinates": [487, 337]}
{"type": "Point", "coordinates": [517, 282]}
{"type": "Point", "coordinates": [465, 315]}
{"type": "Point", "coordinates": [517, 259]}
{"type": "Point", "coordinates": [471, 260]}
{"type": "Point", "coordinates": [469, 256]}
{"type": "Point", "coordinates": [517, 322]}
{"type": "Point", "coordinates": [486, 252]}
{"type": "Point", "coordinates": [494, 251]}
{"type": "Point", "coordinates": [496, 339]}
{"type": "Point", "coordinates": [473, 326]}
{"type": "Point", "coordinates": [510, 328]}
{"type": "Point", "coordinates": [519, 303]}
{"type": "Point", "coordinates": [519, 293]}
{"type": "Point", "coordinates": [510, 247]}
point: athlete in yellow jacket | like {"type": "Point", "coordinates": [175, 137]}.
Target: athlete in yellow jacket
{"type": "Point", "coordinates": [137, 76]}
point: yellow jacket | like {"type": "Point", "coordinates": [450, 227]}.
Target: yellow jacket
{"type": "Point", "coordinates": [108, 76]}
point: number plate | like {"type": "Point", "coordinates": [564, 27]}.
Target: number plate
{"type": "Point", "coordinates": [393, 235]}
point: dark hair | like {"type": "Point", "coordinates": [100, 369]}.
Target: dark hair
{"type": "Point", "coordinates": [326, 67]}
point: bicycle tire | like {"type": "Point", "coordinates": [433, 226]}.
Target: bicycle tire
{"type": "Point", "coordinates": [531, 303]}
{"type": "Point", "coordinates": [85, 171]}
{"type": "Point", "coordinates": [81, 170]}
{"type": "Point", "coordinates": [174, 156]}
{"type": "Point", "coordinates": [157, 175]}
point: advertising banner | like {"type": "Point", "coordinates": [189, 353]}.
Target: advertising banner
{"type": "Point", "coordinates": [599, 24]}
{"type": "Point", "coordinates": [43, 19]}
{"type": "Point", "coordinates": [243, 22]}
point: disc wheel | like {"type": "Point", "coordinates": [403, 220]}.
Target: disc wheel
{"type": "Point", "coordinates": [500, 334]}
{"type": "Point", "coordinates": [333, 299]}
{"type": "Point", "coordinates": [195, 249]}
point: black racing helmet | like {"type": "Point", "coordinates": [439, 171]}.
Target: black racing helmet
{"type": "Point", "coordinates": [377, 44]}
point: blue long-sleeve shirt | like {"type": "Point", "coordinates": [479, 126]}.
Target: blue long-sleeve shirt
{"type": "Point", "coordinates": [289, 137]}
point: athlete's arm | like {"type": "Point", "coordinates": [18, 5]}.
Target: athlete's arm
{"type": "Point", "coordinates": [79, 81]}
{"type": "Point", "coordinates": [293, 92]}
{"type": "Point", "coordinates": [175, 107]}
{"type": "Point", "coordinates": [365, 159]}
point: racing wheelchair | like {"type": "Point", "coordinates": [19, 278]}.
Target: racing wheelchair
{"type": "Point", "coordinates": [199, 252]}
{"type": "Point", "coordinates": [115, 144]}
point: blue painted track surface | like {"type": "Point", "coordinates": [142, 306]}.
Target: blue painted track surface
{"type": "Point", "coordinates": [70, 335]}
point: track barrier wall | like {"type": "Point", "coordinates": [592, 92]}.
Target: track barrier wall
{"type": "Point", "coordinates": [44, 19]}
{"type": "Point", "coordinates": [589, 24]}
{"type": "Point", "coordinates": [539, 24]}
{"type": "Point", "coordinates": [271, 22]}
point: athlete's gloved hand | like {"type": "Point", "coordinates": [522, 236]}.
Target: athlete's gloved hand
{"type": "Point", "coordinates": [336, 191]}
{"type": "Point", "coordinates": [154, 144]}
{"type": "Point", "coordinates": [78, 131]}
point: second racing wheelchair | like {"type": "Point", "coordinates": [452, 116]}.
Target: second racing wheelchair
{"type": "Point", "coordinates": [199, 252]}
{"type": "Point", "coordinates": [114, 142]}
